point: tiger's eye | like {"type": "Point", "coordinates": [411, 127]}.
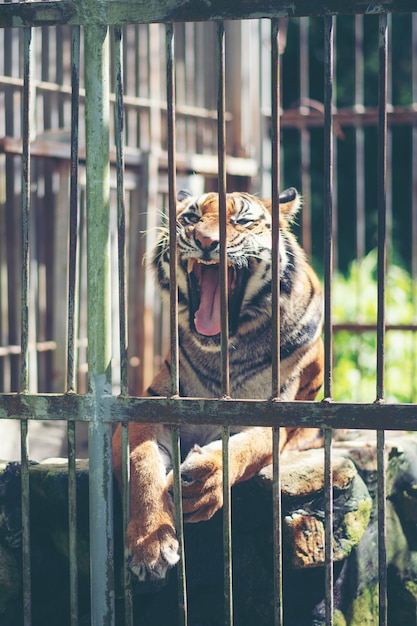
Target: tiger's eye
{"type": "Point", "coordinates": [243, 221]}
{"type": "Point", "coordinates": [189, 218]}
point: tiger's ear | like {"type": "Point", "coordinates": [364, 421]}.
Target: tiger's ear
{"type": "Point", "coordinates": [289, 204]}
{"type": "Point", "coordinates": [183, 194]}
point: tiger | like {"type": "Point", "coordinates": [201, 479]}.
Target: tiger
{"type": "Point", "coordinates": [151, 539]}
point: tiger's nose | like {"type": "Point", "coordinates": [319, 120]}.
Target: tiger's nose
{"type": "Point", "coordinates": [206, 238]}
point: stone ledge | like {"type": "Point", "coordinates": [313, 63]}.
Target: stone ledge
{"type": "Point", "coordinates": [354, 549]}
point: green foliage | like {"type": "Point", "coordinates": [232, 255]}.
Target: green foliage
{"type": "Point", "coordinates": [354, 301]}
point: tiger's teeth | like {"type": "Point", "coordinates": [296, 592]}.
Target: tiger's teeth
{"type": "Point", "coordinates": [213, 262]}
{"type": "Point", "coordinates": [191, 262]}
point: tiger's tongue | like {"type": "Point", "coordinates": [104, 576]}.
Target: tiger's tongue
{"type": "Point", "coordinates": [207, 318]}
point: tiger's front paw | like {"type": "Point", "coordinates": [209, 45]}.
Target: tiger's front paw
{"type": "Point", "coordinates": [152, 552]}
{"type": "Point", "coordinates": [202, 484]}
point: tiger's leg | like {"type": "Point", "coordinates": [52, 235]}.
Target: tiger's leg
{"type": "Point", "coordinates": [249, 451]}
{"type": "Point", "coordinates": [201, 472]}
{"type": "Point", "coordinates": [151, 538]}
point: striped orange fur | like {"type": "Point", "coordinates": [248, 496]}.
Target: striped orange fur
{"type": "Point", "coordinates": [151, 537]}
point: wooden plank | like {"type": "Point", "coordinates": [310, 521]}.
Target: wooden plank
{"type": "Point", "coordinates": [134, 157]}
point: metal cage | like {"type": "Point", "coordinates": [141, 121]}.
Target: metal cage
{"type": "Point", "coordinates": [94, 30]}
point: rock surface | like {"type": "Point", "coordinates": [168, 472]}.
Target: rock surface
{"type": "Point", "coordinates": [354, 545]}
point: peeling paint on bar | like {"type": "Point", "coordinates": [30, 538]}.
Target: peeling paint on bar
{"type": "Point", "coordinates": [97, 87]}
{"type": "Point", "coordinates": [123, 409]}
{"type": "Point", "coordinates": [112, 12]}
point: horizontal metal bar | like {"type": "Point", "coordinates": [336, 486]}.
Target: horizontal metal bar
{"type": "Point", "coordinates": [69, 407]}
{"type": "Point", "coordinates": [343, 117]}
{"type": "Point", "coordinates": [364, 328]}
{"type": "Point", "coordinates": [73, 407]}
{"type": "Point", "coordinates": [264, 413]}
{"type": "Point", "coordinates": [117, 12]}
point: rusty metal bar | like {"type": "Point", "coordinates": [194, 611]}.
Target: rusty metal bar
{"type": "Point", "coordinates": [277, 527]}
{"type": "Point", "coordinates": [12, 233]}
{"type": "Point", "coordinates": [73, 226]}
{"type": "Point", "coordinates": [328, 528]}
{"type": "Point", "coordinates": [381, 199]}
{"type": "Point", "coordinates": [121, 208]}
{"type": "Point", "coordinates": [224, 315]}
{"type": "Point", "coordinates": [382, 535]}
{"type": "Point", "coordinates": [328, 204]}
{"type": "Point", "coordinates": [18, 14]}
{"type": "Point", "coordinates": [127, 589]}
{"type": "Point", "coordinates": [221, 142]}
{"type": "Point", "coordinates": [382, 222]}
{"type": "Point", "coordinates": [365, 328]}
{"type": "Point", "coordinates": [172, 209]}
{"type": "Point", "coordinates": [72, 525]}
{"type": "Point", "coordinates": [179, 526]}
{"type": "Point", "coordinates": [275, 295]}
{"type": "Point", "coordinates": [72, 324]}
{"type": "Point", "coordinates": [175, 433]}
{"type": "Point", "coordinates": [275, 181]}
{"type": "Point", "coordinates": [73, 407]}
{"type": "Point", "coordinates": [121, 241]}
{"type": "Point", "coordinates": [328, 270]}
{"type": "Point", "coordinates": [24, 370]}
{"type": "Point", "coordinates": [360, 140]}
{"type": "Point", "coordinates": [305, 139]}
{"type": "Point", "coordinates": [414, 199]}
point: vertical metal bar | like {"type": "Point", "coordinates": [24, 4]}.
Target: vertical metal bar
{"type": "Point", "coordinates": [72, 525]}
{"type": "Point", "coordinates": [98, 321]}
{"type": "Point", "coordinates": [275, 350]}
{"type": "Point", "coordinates": [11, 219]}
{"type": "Point", "coordinates": [305, 137]}
{"type": "Point", "coordinates": [128, 603]}
{"type": "Point", "coordinates": [224, 314]}
{"type": "Point", "coordinates": [264, 87]}
{"type": "Point", "coordinates": [328, 529]}
{"type": "Point", "coordinates": [176, 448]}
{"type": "Point", "coordinates": [328, 266]}
{"type": "Point", "coordinates": [73, 226]}
{"type": "Point", "coordinates": [360, 235]}
{"type": "Point", "coordinates": [277, 528]}
{"type": "Point", "coordinates": [24, 371]}
{"type": "Point", "coordinates": [221, 145]}
{"type": "Point", "coordinates": [388, 159]}
{"type": "Point", "coordinates": [360, 143]}
{"type": "Point", "coordinates": [381, 198]}
{"type": "Point", "coordinates": [121, 241]}
{"type": "Point", "coordinates": [328, 202]}
{"type": "Point", "coordinates": [121, 207]}
{"type": "Point", "coordinates": [172, 208]}
{"type": "Point", "coordinates": [381, 194]}
{"type": "Point", "coordinates": [382, 555]}
{"type": "Point", "coordinates": [414, 201]}
{"type": "Point", "coordinates": [72, 323]}
{"type": "Point", "coordinates": [275, 138]}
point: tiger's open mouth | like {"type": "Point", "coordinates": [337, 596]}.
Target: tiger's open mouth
{"type": "Point", "coordinates": [204, 289]}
